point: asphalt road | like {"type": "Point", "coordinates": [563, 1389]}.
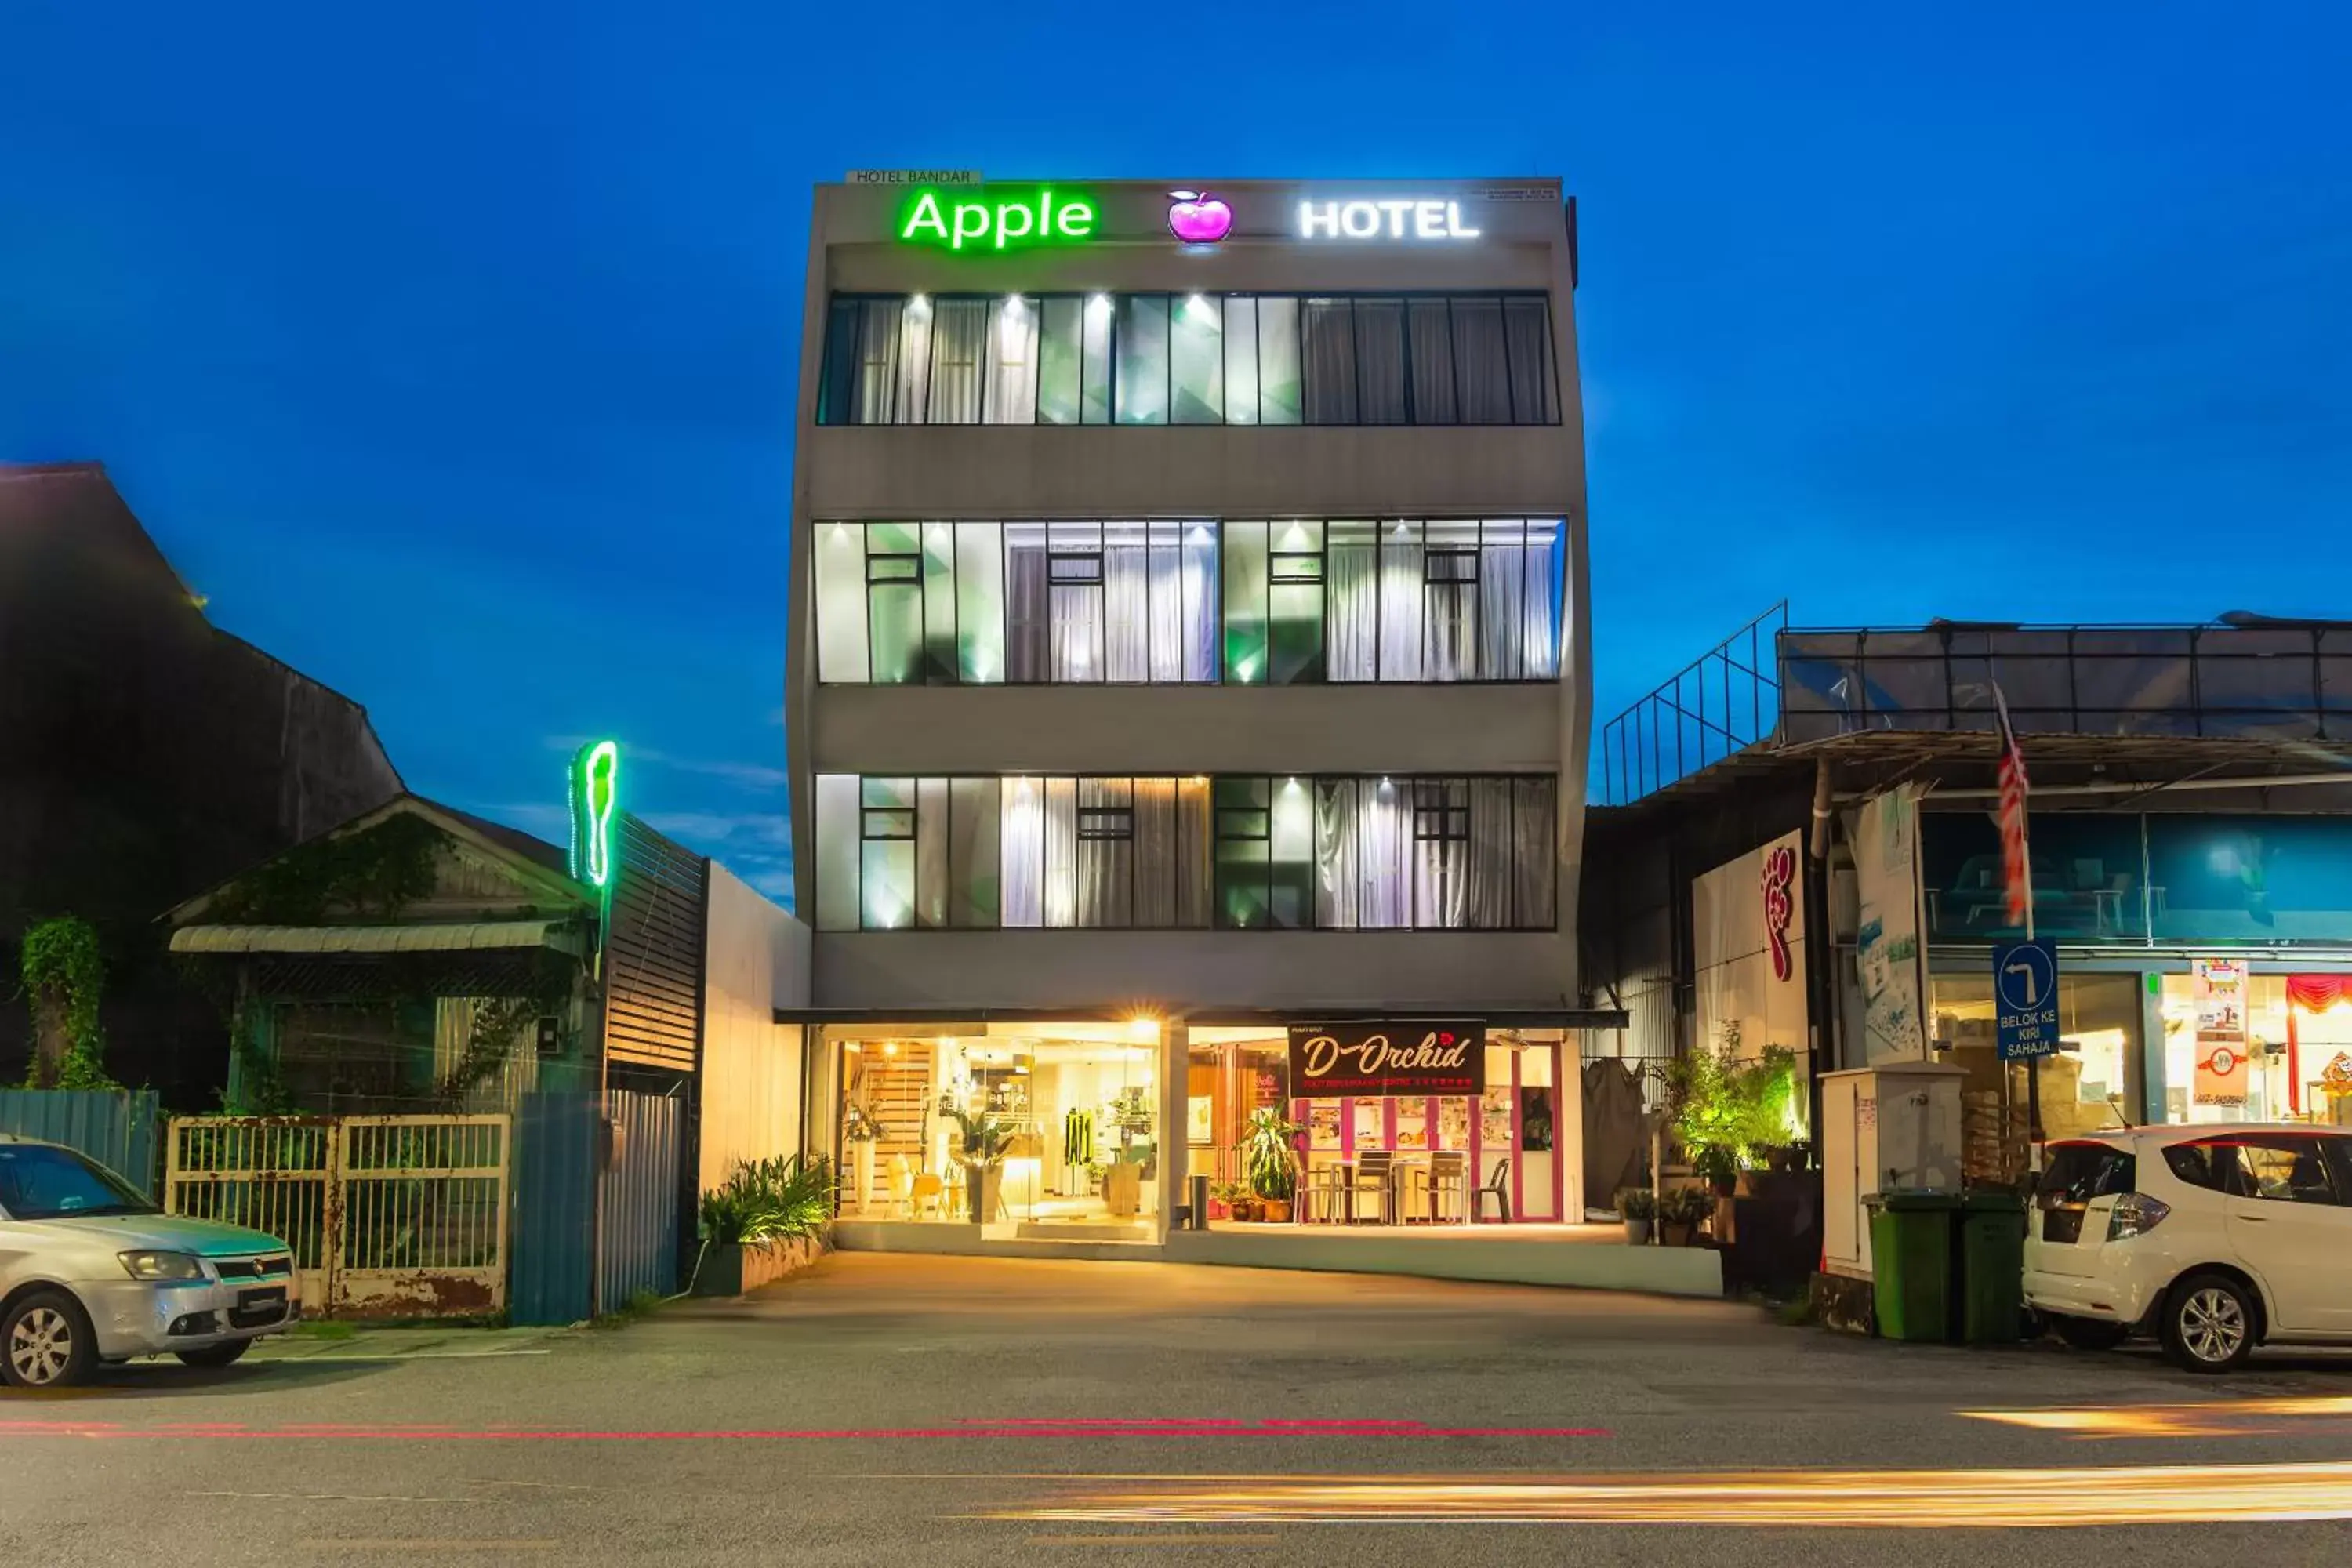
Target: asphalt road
{"type": "Point", "coordinates": [942, 1412]}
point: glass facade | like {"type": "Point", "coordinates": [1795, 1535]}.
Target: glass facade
{"type": "Point", "coordinates": [1236, 852]}
{"type": "Point", "coordinates": [1167, 601]}
{"type": "Point", "coordinates": [1189, 359]}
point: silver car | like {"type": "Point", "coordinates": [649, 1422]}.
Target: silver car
{"type": "Point", "coordinates": [90, 1272]}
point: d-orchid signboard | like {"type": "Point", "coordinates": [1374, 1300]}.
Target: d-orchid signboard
{"type": "Point", "coordinates": [1404, 1057]}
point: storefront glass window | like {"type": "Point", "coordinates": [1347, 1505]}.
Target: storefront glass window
{"type": "Point", "coordinates": [2094, 1084]}
{"type": "Point", "coordinates": [2249, 878]}
{"type": "Point", "coordinates": [1035, 1125]}
{"type": "Point", "coordinates": [2086, 877]}
{"type": "Point", "coordinates": [2269, 1069]}
{"type": "Point", "coordinates": [1189, 359]}
{"type": "Point", "coordinates": [1240, 852]}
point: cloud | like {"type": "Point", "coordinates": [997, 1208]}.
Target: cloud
{"type": "Point", "coordinates": [750, 775]}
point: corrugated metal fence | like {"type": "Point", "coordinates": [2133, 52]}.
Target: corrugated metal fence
{"type": "Point", "coordinates": [556, 1141]}
{"type": "Point", "coordinates": [115, 1126]}
{"type": "Point", "coordinates": [638, 1198]}
{"type": "Point", "coordinates": [597, 1202]}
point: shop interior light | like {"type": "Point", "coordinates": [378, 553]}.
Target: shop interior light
{"type": "Point", "coordinates": [1143, 1029]}
{"type": "Point", "coordinates": [921, 304]}
{"type": "Point", "coordinates": [889, 1048]}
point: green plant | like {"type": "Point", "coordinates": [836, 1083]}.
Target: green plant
{"type": "Point", "coordinates": [376, 872]}
{"type": "Point", "coordinates": [1716, 1164]}
{"type": "Point", "coordinates": [1685, 1205]}
{"type": "Point", "coordinates": [860, 1125]}
{"type": "Point", "coordinates": [784, 1199]}
{"type": "Point", "coordinates": [1716, 1102]}
{"type": "Point", "coordinates": [490, 1041]}
{"type": "Point", "coordinates": [65, 977]}
{"type": "Point", "coordinates": [1269, 1146]}
{"type": "Point", "coordinates": [1637, 1203]}
{"type": "Point", "coordinates": [983, 1138]}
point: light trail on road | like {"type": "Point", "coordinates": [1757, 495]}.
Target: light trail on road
{"type": "Point", "coordinates": [1900, 1500]}
{"type": "Point", "coordinates": [2213, 1418]}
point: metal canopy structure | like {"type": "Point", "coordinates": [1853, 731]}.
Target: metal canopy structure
{"type": "Point", "coordinates": [479, 936]}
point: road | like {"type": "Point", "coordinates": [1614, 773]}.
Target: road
{"type": "Point", "coordinates": [942, 1412]}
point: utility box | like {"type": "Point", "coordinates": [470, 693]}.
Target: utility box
{"type": "Point", "coordinates": [1888, 1129]}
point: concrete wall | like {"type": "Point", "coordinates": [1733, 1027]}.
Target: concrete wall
{"type": "Point", "coordinates": [756, 960]}
{"type": "Point", "coordinates": [1163, 969]}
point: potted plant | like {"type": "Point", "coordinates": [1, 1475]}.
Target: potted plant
{"type": "Point", "coordinates": [769, 1219]}
{"type": "Point", "coordinates": [1269, 1153]}
{"type": "Point", "coordinates": [982, 1141]}
{"type": "Point", "coordinates": [1718, 1166]}
{"type": "Point", "coordinates": [1639, 1205]}
{"type": "Point", "coordinates": [1680, 1214]}
{"type": "Point", "coordinates": [860, 1129]}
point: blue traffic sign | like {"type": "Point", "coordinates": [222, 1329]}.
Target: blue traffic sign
{"type": "Point", "coordinates": [2025, 999]}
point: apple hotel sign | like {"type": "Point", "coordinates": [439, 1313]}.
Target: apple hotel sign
{"type": "Point", "coordinates": [976, 217]}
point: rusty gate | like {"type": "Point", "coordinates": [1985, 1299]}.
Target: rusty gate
{"type": "Point", "coordinates": [387, 1216]}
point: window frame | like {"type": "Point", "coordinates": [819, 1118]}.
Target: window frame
{"type": "Point", "coordinates": [842, 365]}
{"type": "Point", "coordinates": [1258, 830]}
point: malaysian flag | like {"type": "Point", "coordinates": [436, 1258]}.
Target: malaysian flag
{"type": "Point", "coordinates": [2016, 866]}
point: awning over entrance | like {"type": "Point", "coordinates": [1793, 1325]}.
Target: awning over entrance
{"type": "Point", "coordinates": [1503, 1018]}
{"type": "Point", "coordinates": [480, 936]}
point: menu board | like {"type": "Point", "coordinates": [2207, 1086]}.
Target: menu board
{"type": "Point", "coordinates": [1494, 1116]}
{"type": "Point", "coordinates": [1323, 1124]}
{"type": "Point", "coordinates": [1412, 1124]}
{"type": "Point", "coordinates": [1454, 1123]}
{"type": "Point", "coordinates": [1371, 1124]}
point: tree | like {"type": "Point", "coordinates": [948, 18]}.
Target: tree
{"type": "Point", "coordinates": [64, 980]}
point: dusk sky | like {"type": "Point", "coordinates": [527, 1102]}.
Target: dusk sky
{"type": "Point", "coordinates": [454, 359]}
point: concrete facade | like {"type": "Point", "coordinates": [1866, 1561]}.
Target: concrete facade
{"type": "Point", "coordinates": [911, 472]}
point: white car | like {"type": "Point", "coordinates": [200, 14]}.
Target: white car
{"type": "Point", "coordinates": [90, 1272]}
{"type": "Point", "coordinates": [2214, 1239]}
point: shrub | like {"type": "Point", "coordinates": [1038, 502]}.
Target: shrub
{"type": "Point", "coordinates": [1637, 1203]}
{"type": "Point", "coordinates": [783, 1199]}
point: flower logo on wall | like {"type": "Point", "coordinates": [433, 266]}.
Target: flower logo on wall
{"type": "Point", "coordinates": [1197, 217]}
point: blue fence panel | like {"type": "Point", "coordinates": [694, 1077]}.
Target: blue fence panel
{"type": "Point", "coordinates": [554, 1234]}
{"type": "Point", "coordinates": [115, 1126]}
{"type": "Point", "coordinates": [638, 1214]}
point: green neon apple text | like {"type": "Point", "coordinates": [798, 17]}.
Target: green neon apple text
{"type": "Point", "coordinates": [1027, 218]}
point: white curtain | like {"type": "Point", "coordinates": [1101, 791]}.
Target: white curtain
{"type": "Point", "coordinates": [975, 858]}
{"type": "Point", "coordinates": [1401, 601]}
{"type": "Point", "coordinates": [959, 334]}
{"type": "Point", "coordinates": [1195, 880]}
{"type": "Point", "coordinates": [1028, 603]}
{"type": "Point", "coordinates": [1338, 870]}
{"type": "Point", "coordinates": [1131, 633]}
{"type": "Point", "coordinates": [1155, 853]}
{"type": "Point", "coordinates": [1025, 852]}
{"type": "Point", "coordinates": [1545, 557]}
{"type": "Point", "coordinates": [877, 360]}
{"type": "Point", "coordinates": [1502, 603]}
{"type": "Point", "coordinates": [1440, 863]}
{"type": "Point", "coordinates": [1535, 852]}
{"type": "Point", "coordinates": [1060, 852]}
{"type": "Point", "coordinates": [1106, 853]}
{"type": "Point", "coordinates": [1352, 584]}
{"type": "Point", "coordinates": [1009, 393]}
{"type": "Point", "coordinates": [1383, 850]}
{"type": "Point", "coordinates": [1166, 593]}
{"type": "Point", "coordinates": [1488, 898]}
{"type": "Point", "coordinates": [931, 838]}
{"type": "Point", "coordinates": [1199, 590]}
{"type": "Point", "coordinates": [1480, 364]}
{"type": "Point", "coordinates": [1380, 362]}
{"type": "Point", "coordinates": [914, 366]}
{"type": "Point", "coordinates": [1329, 363]}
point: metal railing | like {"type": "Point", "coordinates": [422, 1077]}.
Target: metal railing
{"type": "Point", "coordinates": [1725, 700]}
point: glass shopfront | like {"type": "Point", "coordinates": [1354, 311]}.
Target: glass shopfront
{"type": "Point", "coordinates": [1399, 1159]}
{"type": "Point", "coordinates": [1039, 1124]}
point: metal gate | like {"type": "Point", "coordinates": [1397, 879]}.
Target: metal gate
{"type": "Point", "coordinates": [387, 1216]}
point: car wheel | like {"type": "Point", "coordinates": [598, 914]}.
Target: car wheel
{"type": "Point", "coordinates": [2209, 1323]}
{"type": "Point", "coordinates": [2091, 1334]}
{"type": "Point", "coordinates": [45, 1341]}
{"type": "Point", "coordinates": [215, 1355]}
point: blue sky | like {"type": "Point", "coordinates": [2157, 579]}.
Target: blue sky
{"type": "Point", "coordinates": [453, 358]}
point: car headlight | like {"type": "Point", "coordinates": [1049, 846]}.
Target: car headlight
{"type": "Point", "coordinates": [161, 1266]}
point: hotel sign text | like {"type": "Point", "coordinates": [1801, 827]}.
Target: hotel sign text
{"type": "Point", "coordinates": [1399, 217]}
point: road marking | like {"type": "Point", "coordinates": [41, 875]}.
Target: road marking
{"type": "Point", "coordinates": [1880, 1499]}
{"type": "Point", "coordinates": [1142, 1427]}
{"type": "Point", "coordinates": [419, 1543]}
{"type": "Point", "coordinates": [1156, 1541]}
{"type": "Point", "coordinates": [330, 1496]}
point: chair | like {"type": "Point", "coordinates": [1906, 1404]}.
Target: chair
{"type": "Point", "coordinates": [1319, 1195]}
{"type": "Point", "coordinates": [1498, 1188]}
{"type": "Point", "coordinates": [1448, 1185]}
{"type": "Point", "coordinates": [1375, 1174]}
{"type": "Point", "coordinates": [902, 1185]}
{"type": "Point", "coordinates": [926, 1193]}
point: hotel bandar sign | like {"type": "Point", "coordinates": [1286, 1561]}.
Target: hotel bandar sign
{"type": "Point", "coordinates": [1405, 1055]}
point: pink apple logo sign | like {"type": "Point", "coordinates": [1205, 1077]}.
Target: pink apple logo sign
{"type": "Point", "coordinates": [1197, 217]}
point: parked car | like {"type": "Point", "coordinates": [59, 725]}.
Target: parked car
{"type": "Point", "coordinates": [91, 1271]}
{"type": "Point", "coordinates": [2213, 1239]}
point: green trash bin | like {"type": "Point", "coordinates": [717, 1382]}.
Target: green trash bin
{"type": "Point", "coordinates": [1911, 1263]}
{"type": "Point", "coordinates": [1992, 1269]}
